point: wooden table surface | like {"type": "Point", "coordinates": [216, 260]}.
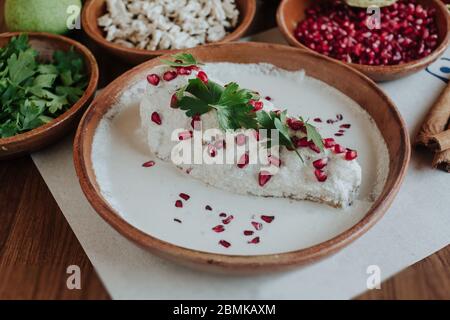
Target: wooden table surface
{"type": "Point", "coordinates": [37, 244]}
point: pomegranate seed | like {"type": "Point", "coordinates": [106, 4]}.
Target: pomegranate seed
{"type": "Point", "coordinates": [294, 124]}
{"type": "Point", "coordinates": [241, 139]}
{"type": "Point", "coordinates": [169, 75]}
{"type": "Point", "coordinates": [351, 155]}
{"type": "Point", "coordinates": [195, 119]}
{"type": "Point", "coordinates": [184, 196]}
{"type": "Point", "coordinates": [177, 220]}
{"type": "Point", "coordinates": [219, 228]}
{"type": "Point", "coordinates": [313, 147]}
{"type": "Point", "coordinates": [321, 163]}
{"type": "Point", "coordinates": [330, 121]}
{"type": "Point", "coordinates": [254, 241]}
{"type": "Point", "coordinates": [339, 149]}
{"type": "Point", "coordinates": [156, 118]}
{"type": "Point", "coordinates": [222, 215]}
{"type": "Point", "coordinates": [341, 131]}
{"type": "Point", "coordinates": [178, 204]}
{"type": "Point", "coordinates": [148, 164]}
{"type": "Point", "coordinates": [224, 243]}
{"type": "Point", "coordinates": [208, 208]}
{"type": "Point", "coordinates": [317, 120]}
{"type": "Point", "coordinates": [212, 151]}
{"type": "Point", "coordinates": [257, 105]}
{"type": "Point", "coordinates": [257, 225]}
{"type": "Point", "coordinates": [339, 134]}
{"type": "Point", "coordinates": [268, 98]}
{"type": "Point", "coordinates": [153, 79]}
{"type": "Point", "coordinates": [228, 219]}
{"type": "Point", "coordinates": [263, 178]}
{"type": "Point", "coordinates": [268, 219]}
{"type": "Point", "coordinates": [340, 117]}
{"type": "Point", "coordinates": [184, 71]}
{"type": "Point", "coordinates": [301, 143]}
{"type": "Point", "coordinates": [345, 126]}
{"type": "Point", "coordinates": [174, 101]}
{"type": "Point", "coordinates": [328, 142]}
{"type": "Point", "coordinates": [256, 134]}
{"type": "Point", "coordinates": [320, 175]}
{"type": "Point", "coordinates": [248, 232]}
{"type": "Point", "coordinates": [243, 161]}
{"type": "Point", "coordinates": [203, 77]}
{"type": "Point", "coordinates": [185, 135]}
{"type": "Point", "coordinates": [274, 161]}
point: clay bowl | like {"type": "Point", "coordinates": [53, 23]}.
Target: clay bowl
{"type": "Point", "coordinates": [290, 12]}
{"type": "Point", "coordinates": [336, 74]}
{"type": "Point", "coordinates": [44, 135]}
{"type": "Point", "coordinates": [93, 9]}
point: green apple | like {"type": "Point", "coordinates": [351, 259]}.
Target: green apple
{"type": "Point", "coordinates": [54, 16]}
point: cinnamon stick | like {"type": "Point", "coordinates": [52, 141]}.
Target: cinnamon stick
{"type": "Point", "coordinates": [436, 120]}
{"type": "Point", "coordinates": [442, 160]}
{"type": "Point", "coordinates": [440, 141]}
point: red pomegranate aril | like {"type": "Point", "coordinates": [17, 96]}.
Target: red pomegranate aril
{"type": "Point", "coordinates": [320, 163]}
{"type": "Point", "coordinates": [243, 161]}
{"type": "Point", "coordinates": [268, 98]}
{"type": "Point", "coordinates": [225, 243]}
{"type": "Point", "coordinates": [257, 225]}
{"type": "Point", "coordinates": [313, 147]}
{"type": "Point", "coordinates": [178, 204]}
{"type": "Point", "coordinates": [317, 120]}
{"type": "Point", "coordinates": [301, 143]}
{"type": "Point", "coordinates": [294, 124]}
{"type": "Point", "coordinates": [185, 135]}
{"type": "Point", "coordinates": [339, 149]}
{"type": "Point", "coordinates": [228, 219]}
{"type": "Point", "coordinates": [174, 101]}
{"type": "Point", "coordinates": [257, 105]}
{"type": "Point", "coordinates": [208, 208]}
{"type": "Point", "coordinates": [184, 196]}
{"type": "Point", "coordinates": [263, 178]}
{"type": "Point", "coordinates": [156, 118]}
{"type": "Point", "coordinates": [222, 214]}
{"type": "Point", "coordinates": [195, 119]}
{"type": "Point", "coordinates": [241, 139]}
{"type": "Point", "coordinates": [148, 164]}
{"type": "Point", "coordinates": [254, 241]}
{"type": "Point", "coordinates": [345, 126]}
{"type": "Point", "coordinates": [153, 79]}
{"type": "Point", "coordinates": [320, 175]}
{"type": "Point", "coordinates": [248, 232]}
{"type": "Point", "coordinates": [220, 228]}
{"type": "Point", "coordinates": [212, 151]}
{"type": "Point", "coordinates": [267, 219]}
{"type": "Point", "coordinates": [203, 77]}
{"type": "Point", "coordinates": [274, 161]}
{"type": "Point", "coordinates": [339, 134]}
{"type": "Point", "coordinates": [329, 142]}
{"type": "Point", "coordinates": [351, 155]}
{"type": "Point", "coordinates": [184, 71]}
{"type": "Point", "coordinates": [169, 75]}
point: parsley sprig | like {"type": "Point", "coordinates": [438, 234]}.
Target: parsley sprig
{"type": "Point", "coordinates": [233, 107]}
{"type": "Point", "coordinates": [33, 93]}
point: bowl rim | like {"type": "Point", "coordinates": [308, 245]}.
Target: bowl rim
{"type": "Point", "coordinates": [83, 142]}
{"type": "Point", "coordinates": [422, 62]}
{"type": "Point", "coordinates": [100, 39]}
{"type": "Point", "coordinates": [74, 109]}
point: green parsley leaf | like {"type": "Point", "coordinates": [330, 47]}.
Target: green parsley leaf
{"type": "Point", "coordinates": [182, 60]}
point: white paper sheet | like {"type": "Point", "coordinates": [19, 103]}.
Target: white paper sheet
{"type": "Point", "coordinates": [417, 225]}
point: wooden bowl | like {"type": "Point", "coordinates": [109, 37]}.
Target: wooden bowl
{"type": "Point", "coordinates": [46, 134]}
{"type": "Point", "coordinates": [369, 96]}
{"type": "Point", "coordinates": [290, 12]}
{"type": "Point", "coordinates": [93, 9]}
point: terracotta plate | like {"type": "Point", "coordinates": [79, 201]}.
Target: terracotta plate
{"type": "Point", "coordinates": [140, 201]}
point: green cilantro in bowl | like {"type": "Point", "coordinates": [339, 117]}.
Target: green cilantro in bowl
{"type": "Point", "coordinates": [33, 92]}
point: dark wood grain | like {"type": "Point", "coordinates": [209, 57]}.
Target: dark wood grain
{"type": "Point", "coordinates": [37, 244]}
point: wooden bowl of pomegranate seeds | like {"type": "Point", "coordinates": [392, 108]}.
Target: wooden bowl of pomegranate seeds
{"type": "Point", "coordinates": [412, 34]}
{"type": "Point", "coordinates": [172, 215]}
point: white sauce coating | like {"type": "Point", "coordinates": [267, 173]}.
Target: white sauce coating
{"type": "Point", "coordinates": [294, 180]}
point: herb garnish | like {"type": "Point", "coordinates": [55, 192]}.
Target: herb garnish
{"type": "Point", "coordinates": [34, 93]}
{"type": "Point", "coordinates": [233, 107]}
